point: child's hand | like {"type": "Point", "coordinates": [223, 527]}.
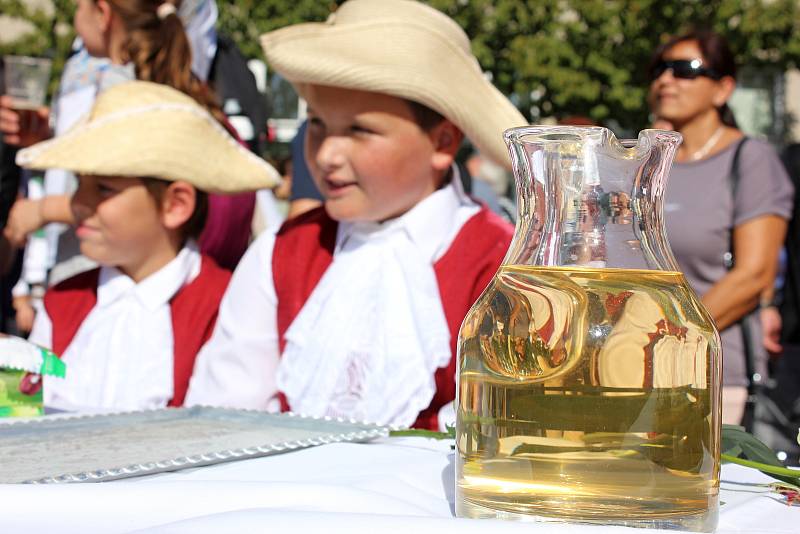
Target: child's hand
{"type": "Point", "coordinates": [25, 217]}
{"type": "Point", "coordinates": [23, 127]}
{"type": "Point", "coordinates": [25, 313]}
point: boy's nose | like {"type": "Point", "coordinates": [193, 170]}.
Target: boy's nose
{"type": "Point", "coordinates": [330, 153]}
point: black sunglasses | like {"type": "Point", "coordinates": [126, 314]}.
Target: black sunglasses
{"type": "Point", "coordinates": [687, 69]}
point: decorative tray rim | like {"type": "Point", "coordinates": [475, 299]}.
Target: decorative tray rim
{"type": "Point", "coordinates": [373, 431]}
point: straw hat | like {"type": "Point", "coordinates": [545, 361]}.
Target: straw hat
{"type": "Point", "coordinates": [404, 49]}
{"type": "Point", "coordinates": [146, 129]}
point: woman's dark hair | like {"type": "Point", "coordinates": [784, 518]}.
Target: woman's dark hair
{"type": "Point", "coordinates": [193, 227]}
{"type": "Point", "coordinates": [717, 56]}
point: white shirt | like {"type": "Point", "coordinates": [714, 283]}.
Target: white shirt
{"type": "Point", "coordinates": [121, 357]}
{"type": "Point", "coordinates": [269, 212]}
{"type": "Point", "coordinates": [239, 366]}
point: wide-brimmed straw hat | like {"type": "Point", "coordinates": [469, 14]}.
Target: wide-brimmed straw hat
{"type": "Point", "coordinates": [400, 48]}
{"type": "Point", "coordinates": [145, 129]}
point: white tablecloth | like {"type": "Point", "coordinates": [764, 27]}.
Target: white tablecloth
{"type": "Point", "coordinates": [393, 485]}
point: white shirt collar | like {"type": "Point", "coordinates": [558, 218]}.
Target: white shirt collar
{"type": "Point", "coordinates": [428, 224]}
{"type": "Point", "coordinates": [155, 290]}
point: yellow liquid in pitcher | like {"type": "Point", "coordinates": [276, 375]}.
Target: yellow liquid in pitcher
{"type": "Point", "coordinates": [585, 395]}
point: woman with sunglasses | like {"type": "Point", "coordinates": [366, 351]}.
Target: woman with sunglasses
{"type": "Point", "coordinates": [726, 242]}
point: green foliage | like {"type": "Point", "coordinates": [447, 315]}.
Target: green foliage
{"type": "Point", "coordinates": [589, 57]}
{"type": "Point", "coordinates": [245, 20]}
{"type": "Point", "coordinates": [557, 57]}
{"type": "Point", "coordinates": [52, 36]}
{"type": "Point", "coordinates": [740, 447]}
{"type": "Point", "coordinates": [422, 433]}
{"type": "Point", "coordinates": [572, 57]}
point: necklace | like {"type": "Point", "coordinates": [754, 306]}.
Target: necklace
{"type": "Point", "coordinates": [700, 154]}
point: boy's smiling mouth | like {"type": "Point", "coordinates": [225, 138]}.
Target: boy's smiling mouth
{"type": "Point", "coordinates": [336, 186]}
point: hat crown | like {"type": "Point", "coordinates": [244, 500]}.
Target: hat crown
{"type": "Point", "coordinates": [142, 128]}
{"type": "Point", "coordinates": [401, 48]}
{"type": "Point", "coordinates": [400, 11]}
{"type": "Point", "coordinates": [139, 94]}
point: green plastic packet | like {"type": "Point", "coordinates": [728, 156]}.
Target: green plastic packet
{"type": "Point", "coordinates": [22, 365]}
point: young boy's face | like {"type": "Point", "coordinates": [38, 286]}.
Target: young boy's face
{"type": "Point", "coordinates": [369, 158]}
{"type": "Point", "coordinates": [118, 221]}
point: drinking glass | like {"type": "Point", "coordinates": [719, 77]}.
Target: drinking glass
{"type": "Point", "coordinates": [26, 80]}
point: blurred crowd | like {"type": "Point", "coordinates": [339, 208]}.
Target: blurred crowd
{"type": "Point", "coordinates": [129, 201]}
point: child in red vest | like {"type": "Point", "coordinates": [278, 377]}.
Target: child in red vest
{"type": "Point", "coordinates": [353, 310]}
{"type": "Point", "coordinates": [129, 332]}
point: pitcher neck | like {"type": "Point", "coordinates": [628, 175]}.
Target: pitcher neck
{"type": "Point", "coordinates": [588, 200]}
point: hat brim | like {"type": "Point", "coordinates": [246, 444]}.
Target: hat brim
{"type": "Point", "coordinates": [148, 143]}
{"type": "Point", "coordinates": [383, 56]}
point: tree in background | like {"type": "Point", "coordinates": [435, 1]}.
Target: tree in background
{"type": "Point", "coordinates": [589, 57]}
{"type": "Point", "coordinates": [572, 57]}
{"type": "Point", "coordinates": [556, 57]}
{"type": "Point", "coordinates": [245, 20]}
{"type": "Point", "coordinates": [51, 33]}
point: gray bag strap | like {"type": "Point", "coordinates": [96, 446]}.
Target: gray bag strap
{"type": "Point", "coordinates": [753, 379]}
{"type": "Point", "coordinates": [733, 180]}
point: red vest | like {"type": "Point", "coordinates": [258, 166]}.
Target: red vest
{"type": "Point", "coordinates": [304, 250]}
{"type": "Point", "coordinates": [193, 308]}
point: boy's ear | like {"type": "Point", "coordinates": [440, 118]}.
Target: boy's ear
{"type": "Point", "coordinates": [446, 139]}
{"type": "Point", "coordinates": [177, 204]}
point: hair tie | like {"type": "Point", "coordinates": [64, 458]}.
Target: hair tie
{"type": "Point", "coordinates": [165, 10]}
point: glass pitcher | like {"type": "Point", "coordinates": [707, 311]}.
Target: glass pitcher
{"type": "Point", "coordinates": [589, 371]}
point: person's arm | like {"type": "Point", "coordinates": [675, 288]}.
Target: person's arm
{"type": "Point", "coordinates": [24, 313]}
{"type": "Point", "coordinates": [28, 215]}
{"type": "Point", "coordinates": [756, 244]}
{"type": "Point", "coordinates": [237, 367]}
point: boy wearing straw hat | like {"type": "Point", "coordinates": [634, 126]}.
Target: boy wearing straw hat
{"type": "Point", "coordinates": [129, 332]}
{"type": "Point", "coordinates": [353, 310]}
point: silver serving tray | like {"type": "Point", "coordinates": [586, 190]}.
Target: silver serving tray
{"type": "Point", "coordinates": [94, 448]}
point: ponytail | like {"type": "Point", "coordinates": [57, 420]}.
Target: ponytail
{"type": "Point", "coordinates": [159, 49]}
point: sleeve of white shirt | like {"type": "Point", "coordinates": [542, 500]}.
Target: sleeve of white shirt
{"type": "Point", "coordinates": [42, 331]}
{"type": "Point", "coordinates": [237, 367]}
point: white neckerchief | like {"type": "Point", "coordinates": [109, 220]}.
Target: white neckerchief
{"type": "Point", "coordinates": [369, 339]}
{"type": "Point", "coordinates": [122, 355]}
